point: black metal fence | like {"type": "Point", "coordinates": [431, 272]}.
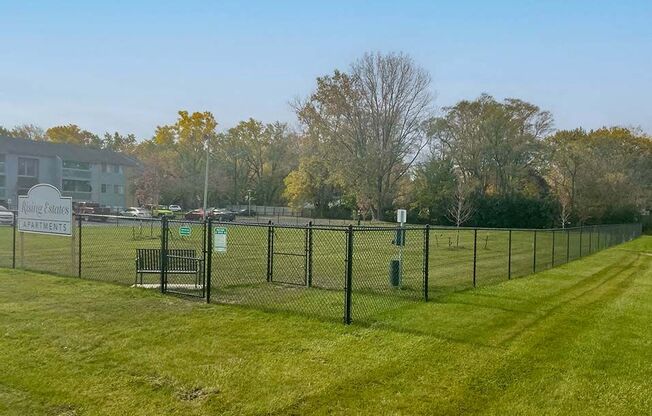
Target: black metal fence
{"type": "Point", "coordinates": [350, 272]}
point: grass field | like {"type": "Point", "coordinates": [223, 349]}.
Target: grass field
{"type": "Point", "coordinates": [239, 276]}
{"type": "Point", "coordinates": [571, 340]}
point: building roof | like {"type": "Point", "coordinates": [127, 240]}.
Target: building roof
{"type": "Point", "coordinates": [63, 150]}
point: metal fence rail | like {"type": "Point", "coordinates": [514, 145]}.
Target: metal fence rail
{"type": "Point", "coordinates": [347, 273]}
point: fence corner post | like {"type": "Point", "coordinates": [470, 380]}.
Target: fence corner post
{"type": "Point", "coordinates": [270, 251]}
{"type": "Point", "coordinates": [13, 245]}
{"type": "Point", "coordinates": [164, 241]}
{"type": "Point", "coordinates": [309, 259]}
{"type": "Point", "coordinates": [534, 253]}
{"type": "Point", "coordinates": [509, 256]}
{"type": "Point", "coordinates": [475, 252]}
{"type": "Point", "coordinates": [79, 241]}
{"type": "Point", "coordinates": [426, 261]}
{"type": "Point", "coordinates": [209, 259]}
{"type": "Point", "coordinates": [349, 272]}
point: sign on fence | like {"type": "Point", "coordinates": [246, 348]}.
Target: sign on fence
{"type": "Point", "coordinates": [219, 239]}
{"type": "Point", "coordinates": [185, 231]}
{"type": "Point", "coordinates": [44, 211]}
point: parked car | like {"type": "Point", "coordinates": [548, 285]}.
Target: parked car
{"type": "Point", "coordinates": [175, 208]}
{"type": "Point", "coordinates": [89, 210]}
{"type": "Point", "coordinates": [6, 216]}
{"type": "Point", "coordinates": [246, 212]}
{"type": "Point", "coordinates": [223, 215]}
{"type": "Point", "coordinates": [218, 214]}
{"type": "Point", "coordinates": [159, 211]}
{"type": "Point", "coordinates": [196, 214]}
{"type": "Point", "coordinates": [135, 212]}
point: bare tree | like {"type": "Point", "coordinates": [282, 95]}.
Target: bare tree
{"type": "Point", "coordinates": [372, 120]}
{"type": "Point", "coordinates": [460, 210]}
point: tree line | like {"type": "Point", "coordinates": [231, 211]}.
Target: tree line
{"type": "Point", "coordinates": [369, 141]}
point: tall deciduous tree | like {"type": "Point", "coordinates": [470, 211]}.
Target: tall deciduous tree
{"type": "Point", "coordinates": [371, 121]}
{"type": "Point", "coordinates": [71, 133]}
{"type": "Point", "coordinates": [494, 144]}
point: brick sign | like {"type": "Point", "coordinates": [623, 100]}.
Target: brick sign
{"type": "Point", "coordinates": [44, 211]}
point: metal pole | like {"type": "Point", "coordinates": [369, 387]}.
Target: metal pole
{"type": "Point", "coordinates": [310, 254]}
{"type": "Point", "coordinates": [164, 232]}
{"type": "Point", "coordinates": [79, 236]}
{"type": "Point", "coordinates": [475, 252]}
{"type": "Point", "coordinates": [206, 180]}
{"type": "Point", "coordinates": [208, 249]}
{"type": "Point", "coordinates": [270, 252]}
{"type": "Point", "coordinates": [590, 238]}
{"type": "Point", "coordinates": [534, 254]}
{"type": "Point", "coordinates": [426, 261]}
{"type": "Point", "coordinates": [509, 256]}
{"type": "Point", "coordinates": [553, 248]}
{"type": "Point", "coordinates": [13, 256]}
{"type": "Point", "coordinates": [580, 241]}
{"type": "Point", "coordinates": [349, 272]}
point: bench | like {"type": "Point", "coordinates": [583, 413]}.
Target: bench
{"type": "Point", "coordinates": [179, 261]}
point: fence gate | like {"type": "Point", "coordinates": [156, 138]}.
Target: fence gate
{"type": "Point", "coordinates": [289, 262]}
{"type": "Point", "coordinates": [184, 258]}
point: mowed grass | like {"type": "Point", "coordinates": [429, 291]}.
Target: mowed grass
{"type": "Point", "coordinates": [571, 340]}
{"type": "Point", "coordinates": [239, 276]}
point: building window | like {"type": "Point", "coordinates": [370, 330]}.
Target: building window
{"type": "Point", "coordinates": [2, 162]}
{"type": "Point", "coordinates": [71, 185]}
{"type": "Point", "coordinates": [119, 189]}
{"type": "Point", "coordinates": [70, 164]}
{"type": "Point", "coordinates": [117, 169]}
{"type": "Point", "coordinates": [104, 188]}
{"type": "Point", "coordinates": [28, 167]}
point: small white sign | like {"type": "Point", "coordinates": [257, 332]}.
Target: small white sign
{"type": "Point", "coordinates": [44, 211]}
{"type": "Point", "coordinates": [401, 216]}
{"type": "Point", "coordinates": [219, 240]}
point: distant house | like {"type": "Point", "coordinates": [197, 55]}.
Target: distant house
{"type": "Point", "coordinates": [83, 173]}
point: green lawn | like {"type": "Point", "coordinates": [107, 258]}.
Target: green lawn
{"type": "Point", "coordinates": [575, 339]}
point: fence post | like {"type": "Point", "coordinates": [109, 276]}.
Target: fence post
{"type": "Point", "coordinates": [79, 236]}
{"type": "Point", "coordinates": [163, 259]}
{"type": "Point", "coordinates": [534, 254]}
{"type": "Point", "coordinates": [13, 246]}
{"type": "Point", "coordinates": [349, 271]}
{"type": "Point", "coordinates": [580, 241]}
{"type": "Point", "coordinates": [208, 255]}
{"type": "Point", "coordinates": [599, 228]}
{"type": "Point", "coordinates": [426, 261]}
{"type": "Point", "coordinates": [590, 238]}
{"type": "Point", "coordinates": [475, 252]}
{"type": "Point", "coordinates": [509, 256]}
{"type": "Point", "coordinates": [309, 260]}
{"type": "Point", "coordinates": [270, 250]}
{"type": "Point", "coordinates": [553, 248]}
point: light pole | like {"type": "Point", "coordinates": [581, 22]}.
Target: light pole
{"type": "Point", "coordinates": [206, 180]}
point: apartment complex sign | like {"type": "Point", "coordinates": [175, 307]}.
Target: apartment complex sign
{"type": "Point", "coordinates": [44, 211]}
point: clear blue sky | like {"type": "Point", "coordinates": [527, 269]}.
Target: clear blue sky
{"type": "Point", "coordinates": [129, 66]}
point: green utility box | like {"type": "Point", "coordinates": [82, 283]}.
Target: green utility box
{"type": "Point", "coordinates": [395, 273]}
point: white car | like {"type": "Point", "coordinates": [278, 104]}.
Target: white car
{"type": "Point", "coordinates": [175, 208]}
{"type": "Point", "coordinates": [6, 216]}
{"type": "Point", "coordinates": [135, 212]}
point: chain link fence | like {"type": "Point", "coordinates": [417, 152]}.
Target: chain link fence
{"type": "Point", "coordinates": [361, 273]}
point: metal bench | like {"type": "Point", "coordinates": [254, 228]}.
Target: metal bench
{"type": "Point", "coordinates": [179, 261]}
